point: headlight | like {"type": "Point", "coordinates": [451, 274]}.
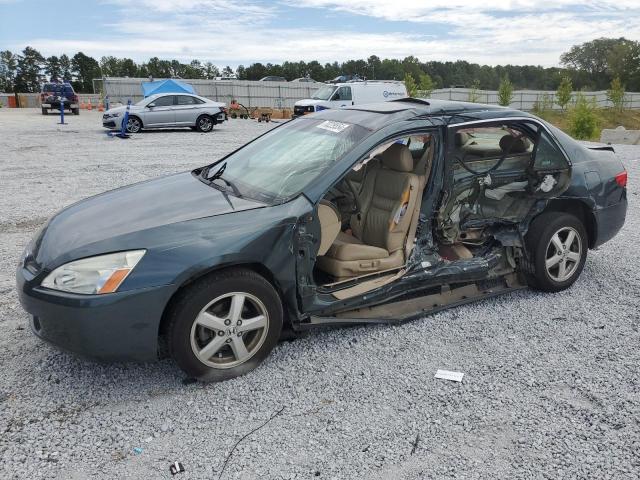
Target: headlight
{"type": "Point", "coordinates": [115, 115]}
{"type": "Point", "coordinates": [102, 274]}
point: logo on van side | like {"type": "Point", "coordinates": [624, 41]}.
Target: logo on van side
{"type": "Point", "coordinates": [387, 93]}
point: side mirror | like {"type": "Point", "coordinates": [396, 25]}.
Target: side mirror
{"type": "Point", "coordinates": [151, 105]}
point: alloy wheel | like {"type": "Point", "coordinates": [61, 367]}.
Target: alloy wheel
{"type": "Point", "coordinates": [133, 125]}
{"type": "Point", "coordinates": [229, 330]}
{"type": "Point", "coordinates": [205, 124]}
{"type": "Point", "coordinates": [564, 252]}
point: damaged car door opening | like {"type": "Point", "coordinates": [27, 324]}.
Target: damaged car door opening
{"type": "Point", "coordinates": [378, 213]}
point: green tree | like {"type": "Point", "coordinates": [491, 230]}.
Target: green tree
{"type": "Point", "coordinates": [65, 67]}
{"type": "Point", "coordinates": [564, 92]}
{"type": "Point", "coordinates": [8, 67]}
{"type": "Point", "coordinates": [28, 70]}
{"type": "Point", "coordinates": [52, 68]}
{"type": "Point", "coordinates": [583, 118]}
{"type": "Point", "coordinates": [425, 85]}
{"type": "Point", "coordinates": [474, 94]}
{"type": "Point", "coordinates": [211, 71]}
{"type": "Point", "coordinates": [158, 68]}
{"type": "Point", "coordinates": [616, 94]}
{"type": "Point", "coordinates": [85, 69]}
{"type": "Point", "coordinates": [603, 59]}
{"type": "Point", "coordinates": [505, 92]}
{"type": "Point", "coordinates": [410, 83]}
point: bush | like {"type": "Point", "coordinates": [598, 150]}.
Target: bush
{"type": "Point", "coordinates": [505, 92]}
{"type": "Point", "coordinates": [426, 85]}
{"type": "Point", "coordinates": [410, 83]}
{"type": "Point", "coordinates": [583, 118]}
{"type": "Point", "coordinates": [563, 95]}
{"type": "Point", "coordinates": [474, 94]}
{"type": "Point", "coordinates": [543, 105]}
{"type": "Point", "coordinates": [616, 94]}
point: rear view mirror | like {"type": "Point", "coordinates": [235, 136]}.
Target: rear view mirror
{"type": "Point", "coordinates": [151, 105]}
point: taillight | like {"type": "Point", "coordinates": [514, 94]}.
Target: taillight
{"type": "Point", "coordinates": [621, 179]}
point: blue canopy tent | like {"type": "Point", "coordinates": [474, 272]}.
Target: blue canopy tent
{"type": "Point", "coordinates": [166, 86]}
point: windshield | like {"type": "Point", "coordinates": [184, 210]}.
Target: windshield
{"type": "Point", "coordinates": [324, 93]}
{"type": "Point", "coordinates": [283, 162]}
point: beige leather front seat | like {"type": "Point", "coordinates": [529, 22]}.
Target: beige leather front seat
{"type": "Point", "coordinates": [387, 202]}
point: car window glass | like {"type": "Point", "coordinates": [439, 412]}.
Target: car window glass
{"type": "Point", "coordinates": [164, 101]}
{"type": "Point", "coordinates": [186, 100]}
{"type": "Point", "coordinates": [343, 93]}
{"type": "Point", "coordinates": [284, 161]}
{"type": "Point", "coordinates": [495, 149]}
{"type": "Point", "coordinates": [324, 93]}
{"type": "Point", "coordinates": [548, 155]}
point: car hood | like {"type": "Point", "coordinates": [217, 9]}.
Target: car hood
{"type": "Point", "coordinates": [308, 102]}
{"type": "Point", "coordinates": [142, 206]}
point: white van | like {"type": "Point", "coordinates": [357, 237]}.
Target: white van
{"type": "Point", "coordinates": [350, 93]}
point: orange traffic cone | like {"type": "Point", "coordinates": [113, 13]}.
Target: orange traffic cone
{"type": "Point", "coordinates": [100, 107]}
{"type": "Point", "coordinates": [89, 105]}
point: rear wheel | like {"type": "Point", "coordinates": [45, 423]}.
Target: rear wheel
{"type": "Point", "coordinates": [557, 244]}
{"type": "Point", "coordinates": [134, 125]}
{"type": "Point", "coordinates": [75, 111]}
{"type": "Point", "coordinates": [224, 325]}
{"type": "Point", "coordinates": [204, 123]}
{"type": "Point", "coordinates": [45, 111]}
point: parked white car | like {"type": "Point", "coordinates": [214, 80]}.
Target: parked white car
{"type": "Point", "coordinates": [350, 93]}
{"type": "Point", "coordinates": [168, 110]}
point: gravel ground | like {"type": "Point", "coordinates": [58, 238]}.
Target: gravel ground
{"type": "Point", "coordinates": [550, 390]}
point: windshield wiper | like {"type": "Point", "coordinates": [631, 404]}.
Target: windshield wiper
{"type": "Point", "coordinates": [218, 176]}
{"type": "Point", "coordinates": [218, 173]}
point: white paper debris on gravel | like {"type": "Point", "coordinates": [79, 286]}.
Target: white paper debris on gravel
{"type": "Point", "coordinates": [448, 375]}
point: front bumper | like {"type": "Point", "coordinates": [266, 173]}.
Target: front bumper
{"type": "Point", "coordinates": [122, 326]}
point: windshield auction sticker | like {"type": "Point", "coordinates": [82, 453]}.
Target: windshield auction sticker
{"type": "Point", "coordinates": [335, 127]}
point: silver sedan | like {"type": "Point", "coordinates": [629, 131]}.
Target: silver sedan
{"type": "Point", "coordinates": [168, 110]}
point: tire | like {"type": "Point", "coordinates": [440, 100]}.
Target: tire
{"type": "Point", "coordinates": [204, 123]}
{"type": "Point", "coordinates": [211, 301]}
{"type": "Point", "coordinates": [134, 124]}
{"type": "Point", "coordinates": [557, 245]}
{"type": "Point", "coordinates": [75, 111]}
{"type": "Point", "coordinates": [45, 111]}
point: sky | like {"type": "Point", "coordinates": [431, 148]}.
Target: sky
{"type": "Point", "coordinates": [232, 32]}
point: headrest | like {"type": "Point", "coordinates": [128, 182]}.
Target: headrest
{"type": "Point", "coordinates": [460, 138]}
{"type": "Point", "coordinates": [397, 157]}
{"type": "Point", "coordinates": [511, 144]}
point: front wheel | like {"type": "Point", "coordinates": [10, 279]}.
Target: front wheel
{"type": "Point", "coordinates": [204, 123]}
{"type": "Point", "coordinates": [134, 125]}
{"type": "Point", "coordinates": [557, 243]}
{"type": "Point", "coordinates": [224, 325]}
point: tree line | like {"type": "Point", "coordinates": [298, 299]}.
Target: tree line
{"type": "Point", "coordinates": [590, 66]}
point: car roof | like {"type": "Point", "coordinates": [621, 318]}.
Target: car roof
{"type": "Point", "coordinates": [441, 112]}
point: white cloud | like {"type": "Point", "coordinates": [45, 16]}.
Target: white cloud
{"type": "Point", "coordinates": [244, 31]}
